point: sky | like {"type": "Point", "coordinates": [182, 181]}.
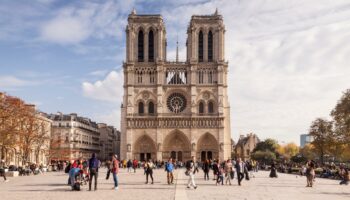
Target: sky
{"type": "Point", "coordinates": [289, 61]}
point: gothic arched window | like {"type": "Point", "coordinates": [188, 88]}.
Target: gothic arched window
{"type": "Point", "coordinates": [140, 53]}
{"type": "Point", "coordinates": [151, 107]}
{"type": "Point", "coordinates": [210, 107]}
{"type": "Point", "coordinates": [210, 46]}
{"type": "Point", "coordinates": [200, 46]}
{"type": "Point", "coordinates": [141, 108]}
{"type": "Point", "coordinates": [201, 108]}
{"type": "Point", "coordinates": [150, 46]}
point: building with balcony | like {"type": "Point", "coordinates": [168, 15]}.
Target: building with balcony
{"type": "Point", "coordinates": [109, 141]}
{"type": "Point", "coordinates": [74, 137]}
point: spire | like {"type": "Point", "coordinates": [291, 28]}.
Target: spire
{"type": "Point", "coordinates": [133, 12]}
{"type": "Point", "coordinates": [216, 11]}
{"type": "Point", "coordinates": [177, 49]}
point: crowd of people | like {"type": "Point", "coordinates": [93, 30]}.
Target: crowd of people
{"type": "Point", "coordinates": [85, 172]}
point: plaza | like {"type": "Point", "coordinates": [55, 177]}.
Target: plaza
{"type": "Point", "coordinates": [52, 185]}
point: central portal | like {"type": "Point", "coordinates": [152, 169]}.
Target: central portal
{"type": "Point", "coordinates": [177, 146]}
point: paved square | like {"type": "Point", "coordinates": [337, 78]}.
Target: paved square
{"type": "Point", "coordinates": [132, 186]}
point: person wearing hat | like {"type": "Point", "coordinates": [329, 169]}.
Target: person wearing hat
{"type": "Point", "coordinates": [115, 170]}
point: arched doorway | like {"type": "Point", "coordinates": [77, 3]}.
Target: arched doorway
{"type": "Point", "coordinates": [177, 146]}
{"type": "Point", "coordinates": [144, 148]}
{"type": "Point", "coordinates": [208, 147]}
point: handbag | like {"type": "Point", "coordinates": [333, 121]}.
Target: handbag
{"type": "Point", "coordinates": [187, 173]}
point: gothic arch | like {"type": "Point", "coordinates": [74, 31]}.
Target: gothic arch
{"type": "Point", "coordinates": [210, 46]}
{"type": "Point", "coordinates": [144, 148]}
{"type": "Point", "coordinates": [207, 147]}
{"type": "Point", "coordinates": [177, 144]}
{"type": "Point", "coordinates": [140, 45]}
{"type": "Point", "coordinates": [200, 46]}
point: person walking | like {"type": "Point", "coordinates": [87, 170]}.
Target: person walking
{"type": "Point", "coordinates": [135, 164]}
{"type": "Point", "coordinates": [129, 165]}
{"type": "Point", "coordinates": [94, 164]}
{"type": "Point", "coordinates": [310, 174]}
{"type": "Point", "coordinates": [169, 167]}
{"type": "Point", "coordinates": [228, 171]}
{"type": "Point", "coordinates": [206, 168]}
{"type": "Point", "coordinates": [240, 167]}
{"type": "Point", "coordinates": [215, 168]}
{"type": "Point", "coordinates": [190, 167]}
{"type": "Point", "coordinates": [149, 170]}
{"type": "Point", "coordinates": [2, 170]}
{"type": "Point", "coordinates": [115, 170]}
{"type": "Point", "coordinates": [109, 166]}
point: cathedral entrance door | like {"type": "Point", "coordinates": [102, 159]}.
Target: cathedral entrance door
{"type": "Point", "coordinates": [173, 155]}
{"type": "Point", "coordinates": [179, 155]}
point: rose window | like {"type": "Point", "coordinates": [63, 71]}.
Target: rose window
{"type": "Point", "coordinates": [176, 102]}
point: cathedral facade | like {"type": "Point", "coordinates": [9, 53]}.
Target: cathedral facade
{"type": "Point", "coordinates": [175, 109]}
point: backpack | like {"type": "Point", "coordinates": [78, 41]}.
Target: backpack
{"type": "Point", "coordinates": [76, 186]}
{"type": "Point", "coordinates": [66, 170]}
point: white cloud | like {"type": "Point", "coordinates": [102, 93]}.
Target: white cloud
{"type": "Point", "coordinates": [288, 60]}
{"type": "Point", "coordinates": [65, 29]}
{"type": "Point", "coordinates": [74, 24]}
{"type": "Point", "coordinates": [110, 89]}
{"type": "Point", "coordinates": [8, 82]}
{"type": "Point", "coordinates": [98, 73]}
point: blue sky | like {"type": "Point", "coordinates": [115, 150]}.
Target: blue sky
{"type": "Point", "coordinates": [288, 60]}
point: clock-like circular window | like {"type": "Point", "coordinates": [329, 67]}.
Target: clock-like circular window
{"type": "Point", "coordinates": [176, 102]}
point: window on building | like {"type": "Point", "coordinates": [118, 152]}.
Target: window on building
{"type": "Point", "coordinates": [210, 107]}
{"type": "Point", "coordinates": [141, 108]}
{"type": "Point", "coordinates": [139, 77]}
{"type": "Point", "coordinates": [200, 46]}
{"type": "Point", "coordinates": [210, 77]}
{"type": "Point", "coordinates": [201, 108]}
{"type": "Point", "coordinates": [210, 46]}
{"type": "Point", "coordinates": [151, 108]}
{"type": "Point", "coordinates": [150, 46]}
{"type": "Point", "coordinates": [200, 77]}
{"type": "Point", "coordinates": [140, 47]}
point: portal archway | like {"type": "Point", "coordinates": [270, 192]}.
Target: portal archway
{"type": "Point", "coordinates": [144, 148]}
{"type": "Point", "coordinates": [208, 147]}
{"type": "Point", "coordinates": [177, 146]}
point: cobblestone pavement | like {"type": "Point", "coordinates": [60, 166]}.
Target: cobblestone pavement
{"type": "Point", "coordinates": [52, 185]}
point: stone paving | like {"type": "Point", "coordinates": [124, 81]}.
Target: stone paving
{"type": "Point", "coordinates": [52, 185]}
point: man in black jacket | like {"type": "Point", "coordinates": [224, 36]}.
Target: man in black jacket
{"type": "Point", "coordinates": [240, 168]}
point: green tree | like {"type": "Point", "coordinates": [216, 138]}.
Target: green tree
{"type": "Point", "coordinates": [322, 132]}
{"type": "Point", "coordinates": [267, 145]}
{"type": "Point", "coordinates": [264, 156]}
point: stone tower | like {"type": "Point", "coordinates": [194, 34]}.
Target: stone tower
{"type": "Point", "coordinates": [175, 109]}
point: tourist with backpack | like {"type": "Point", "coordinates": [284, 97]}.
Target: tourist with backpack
{"type": "Point", "coordinates": [94, 164]}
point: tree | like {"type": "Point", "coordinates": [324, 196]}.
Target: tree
{"type": "Point", "coordinates": [323, 136]}
{"type": "Point", "coordinates": [308, 151]}
{"type": "Point", "coordinates": [288, 151]}
{"type": "Point", "coordinates": [11, 108]}
{"type": "Point", "coordinates": [341, 116]}
{"type": "Point", "coordinates": [264, 156]}
{"type": "Point", "coordinates": [267, 145]}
